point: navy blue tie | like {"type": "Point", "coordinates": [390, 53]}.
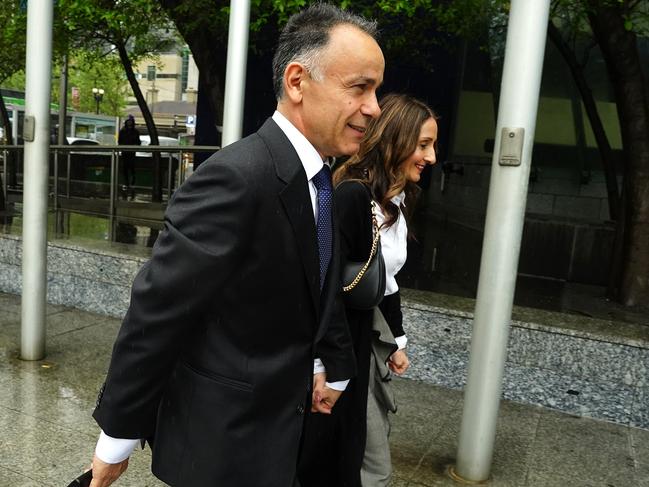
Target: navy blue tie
{"type": "Point", "coordinates": [324, 227]}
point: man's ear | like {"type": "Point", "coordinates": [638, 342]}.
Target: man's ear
{"type": "Point", "coordinates": [295, 75]}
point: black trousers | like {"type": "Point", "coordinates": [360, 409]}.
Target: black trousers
{"type": "Point", "coordinates": [128, 168]}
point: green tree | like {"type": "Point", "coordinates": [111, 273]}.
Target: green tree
{"type": "Point", "coordinates": [12, 59]}
{"type": "Point", "coordinates": [12, 51]}
{"type": "Point", "coordinates": [134, 30]}
{"type": "Point", "coordinates": [87, 72]}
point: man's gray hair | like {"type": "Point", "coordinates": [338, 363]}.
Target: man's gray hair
{"type": "Point", "coordinates": [306, 34]}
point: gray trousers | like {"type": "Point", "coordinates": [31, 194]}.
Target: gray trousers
{"type": "Point", "coordinates": [377, 463]}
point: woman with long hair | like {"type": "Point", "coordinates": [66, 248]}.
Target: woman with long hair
{"type": "Point", "coordinates": [350, 447]}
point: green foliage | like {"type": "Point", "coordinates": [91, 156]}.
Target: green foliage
{"type": "Point", "coordinates": [12, 38]}
{"type": "Point", "coordinates": [15, 82]}
{"type": "Point", "coordinates": [86, 72]}
{"type": "Point", "coordinates": [406, 25]}
{"type": "Point", "coordinates": [100, 25]}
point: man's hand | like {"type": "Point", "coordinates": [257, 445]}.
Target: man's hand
{"type": "Point", "coordinates": [104, 474]}
{"type": "Point", "coordinates": [323, 397]}
{"type": "Point", "coordinates": [399, 362]}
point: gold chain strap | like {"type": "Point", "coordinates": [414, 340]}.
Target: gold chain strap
{"type": "Point", "coordinates": [375, 244]}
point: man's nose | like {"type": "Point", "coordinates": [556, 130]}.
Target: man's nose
{"type": "Point", "coordinates": [371, 108]}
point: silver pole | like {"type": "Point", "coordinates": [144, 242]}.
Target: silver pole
{"type": "Point", "coordinates": [169, 175]}
{"type": "Point", "coordinates": [56, 180]}
{"type": "Point", "coordinates": [5, 173]}
{"type": "Point", "coordinates": [235, 74]}
{"type": "Point", "coordinates": [63, 100]}
{"type": "Point", "coordinates": [68, 170]}
{"type": "Point", "coordinates": [181, 170]}
{"type": "Point", "coordinates": [518, 105]}
{"type": "Point", "coordinates": [112, 195]}
{"type": "Point", "coordinates": [35, 178]}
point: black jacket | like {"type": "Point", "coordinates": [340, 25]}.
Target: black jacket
{"type": "Point", "coordinates": [215, 355]}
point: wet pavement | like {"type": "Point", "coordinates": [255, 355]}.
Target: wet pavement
{"type": "Point", "coordinates": [48, 434]}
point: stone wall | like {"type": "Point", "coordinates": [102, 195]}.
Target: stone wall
{"type": "Point", "coordinates": [90, 276]}
{"type": "Point", "coordinates": [574, 364]}
{"type": "Point", "coordinates": [579, 365]}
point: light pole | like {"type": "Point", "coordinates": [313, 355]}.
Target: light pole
{"type": "Point", "coordinates": [99, 95]}
{"type": "Point", "coordinates": [510, 173]}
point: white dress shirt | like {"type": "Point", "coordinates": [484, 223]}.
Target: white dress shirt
{"type": "Point", "coordinates": [394, 247]}
{"type": "Point", "coordinates": [115, 450]}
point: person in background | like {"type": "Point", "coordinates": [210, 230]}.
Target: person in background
{"type": "Point", "coordinates": [128, 135]}
{"type": "Point", "coordinates": [351, 445]}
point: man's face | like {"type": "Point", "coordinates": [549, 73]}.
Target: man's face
{"type": "Point", "coordinates": [337, 109]}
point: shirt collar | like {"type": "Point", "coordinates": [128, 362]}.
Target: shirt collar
{"type": "Point", "coordinates": [311, 160]}
{"type": "Point", "coordinates": [399, 199]}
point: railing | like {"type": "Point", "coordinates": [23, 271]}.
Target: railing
{"type": "Point", "coordinates": [71, 189]}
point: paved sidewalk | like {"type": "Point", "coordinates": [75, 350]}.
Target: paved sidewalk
{"type": "Point", "coordinates": [47, 433]}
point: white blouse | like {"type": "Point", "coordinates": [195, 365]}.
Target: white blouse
{"type": "Point", "coordinates": [394, 245]}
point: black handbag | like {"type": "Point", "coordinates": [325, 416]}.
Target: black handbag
{"type": "Point", "coordinates": [82, 480]}
{"type": "Point", "coordinates": [364, 282]}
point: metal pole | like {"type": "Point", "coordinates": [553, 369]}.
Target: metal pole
{"type": "Point", "coordinates": [169, 175]}
{"type": "Point", "coordinates": [68, 170]}
{"type": "Point", "coordinates": [5, 172]}
{"type": "Point", "coordinates": [35, 178]}
{"type": "Point", "coordinates": [56, 180]}
{"type": "Point", "coordinates": [63, 100]}
{"type": "Point", "coordinates": [112, 196]}
{"type": "Point", "coordinates": [518, 105]}
{"type": "Point", "coordinates": [235, 74]}
{"type": "Point", "coordinates": [181, 170]}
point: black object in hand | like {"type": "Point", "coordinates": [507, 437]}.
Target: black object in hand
{"type": "Point", "coordinates": [82, 480]}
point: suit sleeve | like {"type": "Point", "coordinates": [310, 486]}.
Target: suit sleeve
{"type": "Point", "coordinates": [335, 349]}
{"type": "Point", "coordinates": [203, 241]}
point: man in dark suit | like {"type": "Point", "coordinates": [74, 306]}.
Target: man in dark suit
{"type": "Point", "coordinates": [215, 363]}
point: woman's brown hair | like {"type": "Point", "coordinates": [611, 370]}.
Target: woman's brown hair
{"type": "Point", "coordinates": [388, 141]}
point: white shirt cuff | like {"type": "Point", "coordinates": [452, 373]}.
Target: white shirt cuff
{"type": "Point", "coordinates": [318, 367]}
{"type": "Point", "coordinates": [340, 385]}
{"type": "Point", "coordinates": [114, 450]}
{"type": "Point", "coordinates": [402, 341]}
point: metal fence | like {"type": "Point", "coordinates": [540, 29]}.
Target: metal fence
{"type": "Point", "coordinates": [86, 179]}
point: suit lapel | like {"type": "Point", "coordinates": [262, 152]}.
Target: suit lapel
{"type": "Point", "coordinates": [296, 200]}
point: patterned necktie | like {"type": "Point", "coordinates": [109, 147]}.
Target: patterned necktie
{"type": "Point", "coordinates": [322, 182]}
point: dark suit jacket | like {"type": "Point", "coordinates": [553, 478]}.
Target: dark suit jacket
{"type": "Point", "coordinates": [215, 355]}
